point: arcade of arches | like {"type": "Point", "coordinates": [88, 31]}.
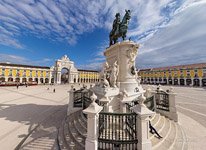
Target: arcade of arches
{"type": "Point", "coordinates": [13, 73]}
{"type": "Point", "coordinates": [189, 75]}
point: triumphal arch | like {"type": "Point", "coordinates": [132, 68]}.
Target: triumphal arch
{"type": "Point", "coordinates": [65, 63]}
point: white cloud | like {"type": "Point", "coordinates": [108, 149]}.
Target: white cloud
{"type": "Point", "coordinates": [23, 60]}
{"type": "Point", "coordinates": [92, 66]}
{"type": "Point", "coordinates": [181, 42]}
{"type": "Point", "coordinates": [66, 20]}
{"type": "Point", "coordinates": [162, 27]}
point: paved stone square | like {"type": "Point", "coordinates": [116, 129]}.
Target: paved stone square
{"type": "Point", "coordinates": [191, 106]}
{"type": "Point", "coordinates": [23, 109]}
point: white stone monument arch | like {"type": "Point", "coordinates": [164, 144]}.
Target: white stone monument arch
{"type": "Point", "coordinates": [62, 63]}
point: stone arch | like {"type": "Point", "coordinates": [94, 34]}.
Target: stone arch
{"type": "Point", "coordinates": [10, 79]}
{"type": "Point", "coordinates": [24, 80]}
{"type": "Point", "coordinates": [17, 80]}
{"type": "Point", "coordinates": [2, 79]}
{"type": "Point", "coordinates": [52, 80]}
{"type": "Point", "coordinates": [36, 80]}
{"type": "Point", "coordinates": [64, 62]}
{"type": "Point", "coordinates": [46, 80]}
{"type": "Point", "coordinates": [65, 75]}
{"type": "Point", "coordinates": [41, 80]}
{"type": "Point", "coordinates": [30, 79]}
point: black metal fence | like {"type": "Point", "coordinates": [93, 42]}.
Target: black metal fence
{"type": "Point", "coordinates": [78, 98]}
{"type": "Point", "coordinates": [162, 100]}
{"type": "Point", "coordinates": [117, 131]}
{"type": "Point", "coordinates": [149, 102]}
{"type": "Point", "coordinates": [82, 98]}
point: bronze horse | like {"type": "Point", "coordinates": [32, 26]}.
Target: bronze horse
{"type": "Point", "coordinates": [121, 31]}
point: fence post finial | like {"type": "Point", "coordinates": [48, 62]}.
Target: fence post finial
{"type": "Point", "coordinates": [143, 114]}
{"type": "Point", "coordinates": [92, 112]}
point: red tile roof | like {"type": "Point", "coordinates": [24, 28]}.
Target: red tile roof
{"type": "Point", "coordinates": [189, 66]}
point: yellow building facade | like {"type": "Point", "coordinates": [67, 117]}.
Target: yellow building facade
{"type": "Point", "coordinates": [193, 75]}
{"type": "Point", "coordinates": [17, 73]}
{"type": "Point", "coordinates": [88, 76]}
{"type": "Point", "coordinates": [24, 73]}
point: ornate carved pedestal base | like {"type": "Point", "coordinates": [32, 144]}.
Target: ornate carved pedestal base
{"type": "Point", "coordinates": [119, 80]}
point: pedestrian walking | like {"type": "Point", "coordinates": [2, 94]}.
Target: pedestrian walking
{"type": "Point", "coordinates": [17, 86]}
{"type": "Point", "coordinates": [54, 90]}
{"type": "Point", "coordinates": [153, 130]}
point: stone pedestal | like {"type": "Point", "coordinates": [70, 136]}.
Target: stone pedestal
{"type": "Point", "coordinates": [119, 76]}
{"type": "Point", "coordinates": [124, 54]}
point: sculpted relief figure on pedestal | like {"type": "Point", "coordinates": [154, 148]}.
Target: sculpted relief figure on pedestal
{"type": "Point", "coordinates": [114, 74]}
{"type": "Point", "coordinates": [104, 82]}
{"type": "Point", "coordinates": [131, 54]}
{"type": "Point", "coordinates": [123, 94]}
{"type": "Point", "coordinates": [104, 76]}
{"type": "Point", "coordinates": [138, 78]}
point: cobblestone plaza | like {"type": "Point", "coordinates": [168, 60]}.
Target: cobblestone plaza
{"type": "Point", "coordinates": [23, 109]}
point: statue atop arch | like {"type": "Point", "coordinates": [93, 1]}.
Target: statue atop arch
{"type": "Point", "coordinates": [119, 27]}
{"type": "Point", "coordinates": [65, 58]}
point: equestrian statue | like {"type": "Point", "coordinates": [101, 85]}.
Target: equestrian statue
{"type": "Point", "coordinates": [119, 28]}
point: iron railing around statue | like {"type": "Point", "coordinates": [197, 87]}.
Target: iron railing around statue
{"type": "Point", "coordinates": [117, 131]}
{"type": "Point", "coordinates": [82, 98]}
{"type": "Point", "coordinates": [149, 102]}
{"type": "Point", "coordinates": [162, 100]}
{"type": "Point", "coordinates": [78, 98]}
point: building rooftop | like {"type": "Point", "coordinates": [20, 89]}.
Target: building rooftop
{"type": "Point", "coordinates": [198, 65]}
{"type": "Point", "coordinates": [87, 70]}
{"type": "Point", "coordinates": [21, 65]}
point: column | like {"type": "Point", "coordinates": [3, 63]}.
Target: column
{"type": "Point", "coordinates": [70, 78]}
{"type": "Point", "coordinates": [50, 80]}
{"type": "Point", "coordinates": [58, 79]}
{"type": "Point", "coordinates": [200, 79]}
{"type": "Point", "coordinates": [167, 81]}
{"type": "Point", "coordinates": [92, 112]}
{"type": "Point", "coordinates": [178, 81]}
{"type": "Point", "coordinates": [173, 81]}
{"type": "Point", "coordinates": [192, 79]}
{"type": "Point", "coordinates": [76, 78]}
{"type": "Point", "coordinates": [172, 106]}
{"type": "Point", "coordinates": [142, 125]}
{"type": "Point", "coordinates": [185, 83]}
{"type": "Point", "coordinates": [71, 101]}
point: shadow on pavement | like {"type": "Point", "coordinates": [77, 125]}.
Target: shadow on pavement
{"type": "Point", "coordinates": [48, 118]}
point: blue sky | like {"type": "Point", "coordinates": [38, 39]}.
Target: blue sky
{"type": "Point", "coordinates": [36, 32]}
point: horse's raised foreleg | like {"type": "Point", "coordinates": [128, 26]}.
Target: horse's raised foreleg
{"type": "Point", "coordinates": [110, 40]}
{"type": "Point", "coordinates": [115, 40]}
{"type": "Point", "coordinates": [123, 36]}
